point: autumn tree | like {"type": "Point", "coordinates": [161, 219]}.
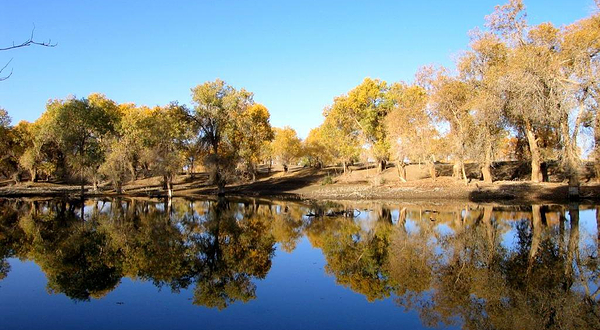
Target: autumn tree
{"type": "Point", "coordinates": [217, 113]}
{"type": "Point", "coordinates": [341, 144]}
{"type": "Point", "coordinates": [164, 131]}
{"type": "Point", "coordinates": [116, 165]}
{"type": "Point", "coordinates": [79, 126]}
{"type": "Point", "coordinates": [13, 141]}
{"type": "Point", "coordinates": [124, 148]}
{"type": "Point", "coordinates": [286, 146]}
{"type": "Point", "coordinates": [409, 127]}
{"type": "Point", "coordinates": [315, 148]}
{"type": "Point", "coordinates": [580, 45]}
{"type": "Point", "coordinates": [234, 249]}
{"type": "Point", "coordinates": [41, 154]}
{"type": "Point", "coordinates": [361, 114]}
{"type": "Point", "coordinates": [19, 140]}
{"type": "Point", "coordinates": [254, 131]}
{"type": "Point", "coordinates": [450, 101]}
{"type": "Point", "coordinates": [5, 142]}
{"type": "Point", "coordinates": [357, 258]}
{"type": "Point", "coordinates": [529, 84]}
{"type": "Point", "coordinates": [76, 256]}
{"type": "Point", "coordinates": [481, 67]}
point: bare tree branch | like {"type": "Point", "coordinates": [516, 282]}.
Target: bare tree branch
{"type": "Point", "coordinates": [30, 42]}
{"type": "Point", "coordinates": [4, 67]}
{"type": "Point", "coordinates": [25, 43]}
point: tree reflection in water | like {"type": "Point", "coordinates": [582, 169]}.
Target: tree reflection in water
{"type": "Point", "coordinates": [477, 266]}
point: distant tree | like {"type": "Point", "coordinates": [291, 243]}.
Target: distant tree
{"type": "Point", "coordinates": [19, 141]}
{"type": "Point", "coordinates": [79, 126]}
{"type": "Point", "coordinates": [532, 94]}
{"type": "Point", "coordinates": [254, 131]}
{"type": "Point", "coordinates": [315, 149]}
{"type": "Point", "coordinates": [580, 46]}
{"type": "Point", "coordinates": [41, 154]}
{"type": "Point", "coordinates": [286, 146]}
{"type": "Point", "coordinates": [116, 166]}
{"type": "Point", "coordinates": [341, 143]}
{"type": "Point", "coordinates": [410, 128]}
{"type": "Point", "coordinates": [450, 101]}
{"type": "Point", "coordinates": [165, 130]}
{"type": "Point", "coordinates": [218, 109]}
{"type": "Point", "coordinates": [481, 67]}
{"type": "Point", "coordinates": [5, 141]}
{"type": "Point", "coordinates": [361, 113]}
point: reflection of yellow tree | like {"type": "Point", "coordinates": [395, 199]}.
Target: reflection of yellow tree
{"type": "Point", "coordinates": [411, 260]}
{"type": "Point", "coordinates": [152, 247]}
{"type": "Point", "coordinates": [230, 253]}
{"type": "Point", "coordinates": [467, 275]}
{"type": "Point", "coordinates": [286, 225]}
{"type": "Point", "coordinates": [354, 257]}
{"type": "Point", "coordinates": [464, 274]}
{"type": "Point", "coordinates": [76, 258]}
{"type": "Point", "coordinates": [13, 241]}
{"type": "Point", "coordinates": [512, 288]}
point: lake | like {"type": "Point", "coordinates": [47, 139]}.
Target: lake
{"type": "Point", "coordinates": [264, 264]}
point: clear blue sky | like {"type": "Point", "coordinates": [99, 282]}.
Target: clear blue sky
{"type": "Point", "coordinates": [296, 56]}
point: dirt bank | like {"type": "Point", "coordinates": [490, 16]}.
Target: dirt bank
{"type": "Point", "coordinates": [330, 184]}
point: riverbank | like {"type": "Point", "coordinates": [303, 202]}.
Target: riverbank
{"type": "Point", "coordinates": [331, 184]}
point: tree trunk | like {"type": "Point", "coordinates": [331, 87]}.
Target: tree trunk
{"type": "Point", "coordinates": [597, 147]}
{"type": "Point", "coordinates": [221, 188]}
{"type": "Point", "coordinates": [82, 208]}
{"type": "Point", "coordinates": [489, 231]}
{"type": "Point", "coordinates": [402, 219]}
{"type": "Point", "coordinates": [382, 164]}
{"type": "Point", "coordinates": [34, 175]}
{"type": "Point", "coordinates": [573, 245]}
{"type": "Point", "coordinates": [17, 176]}
{"type": "Point", "coordinates": [385, 215]}
{"type": "Point", "coordinates": [570, 163]}
{"type": "Point", "coordinates": [252, 169]}
{"type": "Point", "coordinates": [456, 170]}
{"type": "Point", "coordinates": [464, 173]}
{"type": "Point", "coordinates": [132, 171]}
{"type": "Point", "coordinates": [401, 169]}
{"type": "Point", "coordinates": [192, 173]}
{"type": "Point", "coordinates": [345, 167]}
{"type": "Point", "coordinates": [169, 208]}
{"type": "Point", "coordinates": [536, 165]}
{"type": "Point", "coordinates": [432, 173]}
{"type": "Point", "coordinates": [536, 232]}
{"type": "Point", "coordinates": [170, 186]}
{"type": "Point", "coordinates": [486, 168]}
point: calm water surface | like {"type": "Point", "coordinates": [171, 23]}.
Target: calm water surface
{"type": "Point", "coordinates": [258, 264]}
